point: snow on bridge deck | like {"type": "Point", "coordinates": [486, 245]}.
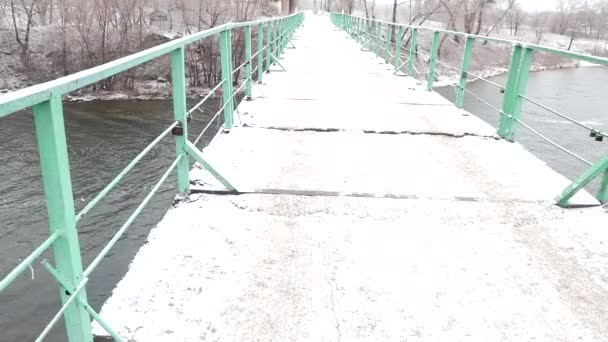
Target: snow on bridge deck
{"type": "Point", "coordinates": [382, 213]}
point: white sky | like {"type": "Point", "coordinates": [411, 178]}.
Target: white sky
{"type": "Point", "coordinates": [528, 5]}
{"type": "Point", "coordinates": [537, 5]}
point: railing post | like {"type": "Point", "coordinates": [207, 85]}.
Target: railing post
{"type": "Point", "coordinates": [466, 60]}
{"type": "Point", "coordinates": [397, 61]}
{"type": "Point", "coordinates": [248, 68]}
{"type": "Point", "coordinates": [602, 194]}
{"type": "Point", "coordinates": [178, 84]}
{"type": "Point", "coordinates": [260, 52]}
{"type": "Point", "coordinates": [412, 59]}
{"type": "Point", "coordinates": [226, 65]}
{"type": "Point", "coordinates": [378, 37]}
{"type": "Point", "coordinates": [519, 68]}
{"type": "Point", "coordinates": [268, 40]}
{"type": "Point", "coordinates": [54, 164]}
{"type": "Point", "coordinates": [387, 45]}
{"type": "Point", "coordinates": [434, 51]}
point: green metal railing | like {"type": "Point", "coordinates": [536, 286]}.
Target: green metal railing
{"type": "Point", "coordinates": [377, 36]}
{"type": "Point", "coordinates": [46, 100]}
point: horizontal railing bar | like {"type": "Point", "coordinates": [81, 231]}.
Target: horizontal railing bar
{"type": "Point", "coordinates": [562, 115]}
{"type": "Point", "coordinates": [261, 21]}
{"type": "Point", "coordinates": [123, 173]}
{"type": "Point", "coordinates": [540, 135]}
{"type": "Point", "coordinates": [86, 306]}
{"type": "Point", "coordinates": [447, 65]}
{"type": "Point", "coordinates": [257, 53]}
{"type": "Point", "coordinates": [131, 218]}
{"type": "Point", "coordinates": [217, 114]}
{"type": "Point", "coordinates": [485, 80]}
{"type": "Point", "coordinates": [561, 52]}
{"type": "Point", "coordinates": [208, 125]}
{"type": "Point", "coordinates": [23, 265]}
{"type": "Point", "coordinates": [483, 101]}
{"type": "Point", "coordinates": [58, 315]}
{"type": "Point", "coordinates": [27, 97]}
{"type": "Point", "coordinates": [200, 103]}
{"type": "Point", "coordinates": [239, 67]}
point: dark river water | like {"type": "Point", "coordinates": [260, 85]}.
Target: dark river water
{"type": "Point", "coordinates": [104, 136]}
{"type": "Point", "coordinates": [580, 93]}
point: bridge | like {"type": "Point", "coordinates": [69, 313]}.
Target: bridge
{"type": "Point", "coordinates": [342, 200]}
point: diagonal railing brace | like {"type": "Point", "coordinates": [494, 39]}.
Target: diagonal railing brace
{"type": "Point", "coordinates": [198, 156]}
{"type": "Point", "coordinates": [584, 179]}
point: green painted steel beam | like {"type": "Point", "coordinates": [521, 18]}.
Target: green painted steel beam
{"type": "Point", "coordinates": [464, 68]}
{"type": "Point", "coordinates": [602, 194]}
{"type": "Point", "coordinates": [226, 66]}
{"type": "Point", "coordinates": [590, 173]}
{"type": "Point", "coordinates": [432, 61]}
{"type": "Point", "coordinates": [378, 38]}
{"type": "Point", "coordinates": [248, 67]}
{"type": "Point", "coordinates": [268, 47]}
{"type": "Point", "coordinates": [517, 80]}
{"type": "Point", "coordinates": [260, 52]}
{"type": "Point", "coordinates": [387, 45]}
{"type": "Point", "coordinates": [397, 62]}
{"type": "Point", "coordinates": [178, 84]}
{"type": "Point", "coordinates": [55, 167]}
{"type": "Point", "coordinates": [412, 59]}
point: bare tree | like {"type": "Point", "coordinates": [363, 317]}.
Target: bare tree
{"type": "Point", "coordinates": [23, 11]}
{"type": "Point", "coordinates": [540, 19]}
{"type": "Point", "coordinates": [515, 17]}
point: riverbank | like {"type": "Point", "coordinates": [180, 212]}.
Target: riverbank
{"type": "Point", "coordinates": [452, 78]}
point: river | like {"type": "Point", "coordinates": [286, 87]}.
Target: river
{"type": "Point", "coordinates": [577, 92]}
{"type": "Point", "coordinates": [104, 136]}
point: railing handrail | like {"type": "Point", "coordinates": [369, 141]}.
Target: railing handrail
{"type": "Point", "coordinates": [542, 48]}
{"type": "Point", "coordinates": [47, 105]}
{"type": "Point", "coordinates": [514, 91]}
{"type": "Point", "coordinates": [30, 96]}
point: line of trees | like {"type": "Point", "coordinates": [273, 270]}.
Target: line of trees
{"type": "Point", "coordinates": [58, 37]}
{"type": "Point", "coordinates": [573, 18]}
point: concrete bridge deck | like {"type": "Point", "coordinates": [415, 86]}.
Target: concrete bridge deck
{"type": "Point", "coordinates": [376, 211]}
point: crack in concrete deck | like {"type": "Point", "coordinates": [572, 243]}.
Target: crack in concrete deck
{"type": "Point", "coordinates": [366, 131]}
{"type": "Point", "coordinates": [429, 235]}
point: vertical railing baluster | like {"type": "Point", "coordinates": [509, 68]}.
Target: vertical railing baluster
{"type": "Point", "coordinates": [268, 40]}
{"type": "Point", "coordinates": [412, 59]}
{"type": "Point", "coordinates": [178, 85]}
{"type": "Point", "coordinates": [602, 194]}
{"type": "Point", "coordinates": [378, 37]}
{"type": "Point", "coordinates": [226, 66]}
{"type": "Point", "coordinates": [248, 67]}
{"type": "Point", "coordinates": [519, 67]}
{"type": "Point", "coordinates": [260, 52]}
{"type": "Point", "coordinates": [387, 45]}
{"type": "Point", "coordinates": [464, 68]}
{"type": "Point", "coordinates": [55, 167]}
{"type": "Point", "coordinates": [432, 61]}
{"type": "Point", "coordinates": [397, 61]}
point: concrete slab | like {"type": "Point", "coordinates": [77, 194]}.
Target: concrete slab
{"type": "Point", "coordinates": [421, 166]}
{"type": "Point", "coordinates": [298, 268]}
{"type": "Point", "coordinates": [467, 246]}
{"type": "Point", "coordinates": [411, 117]}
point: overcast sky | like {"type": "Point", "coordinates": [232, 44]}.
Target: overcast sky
{"type": "Point", "coordinates": [537, 5]}
{"type": "Point", "coordinates": [528, 5]}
